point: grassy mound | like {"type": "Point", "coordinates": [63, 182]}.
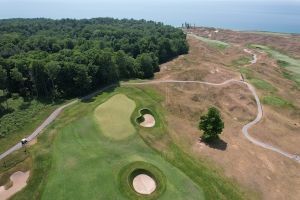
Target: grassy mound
{"type": "Point", "coordinates": [114, 115]}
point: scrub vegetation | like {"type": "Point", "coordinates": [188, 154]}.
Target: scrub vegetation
{"type": "Point", "coordinates": [21, 117]}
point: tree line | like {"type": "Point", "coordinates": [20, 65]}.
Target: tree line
{"type": "Point", "coordinates": [47, 58]}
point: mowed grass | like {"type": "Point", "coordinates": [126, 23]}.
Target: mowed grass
{"type": "Point", "coordinates": [213, 43]}
{"type": "Point", "coordinates": [86, 163]}
{"type": "Point", "coordinates": [292, 65]}
{"type": "Point", "coordinates": [75, 160]}
{"type": "Point", "coordinates": [114, 115]}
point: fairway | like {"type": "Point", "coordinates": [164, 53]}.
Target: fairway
{"type": "Point", "coordinates": [291, 64]}
{"type": "Point", "coordinates": [114, 115]}
{"type": "Point", "coordinates": [84, 156]}
{"type": "Point", "coordinates": [75, 159]}
{"type": "Point", "coordinates": [213, 43]}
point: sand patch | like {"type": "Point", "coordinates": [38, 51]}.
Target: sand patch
{"type": "Point", "coordinates": [149, 121]}
{"type": "Point", "coordinates": [32, 142]}
{"type": "Point", "coordinates": [19, 181]}
{"type": "Point", "coordinates": [144, 184]}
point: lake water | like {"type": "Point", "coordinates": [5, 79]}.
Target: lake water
{"type": "Point", "coordinates": [265, 15]}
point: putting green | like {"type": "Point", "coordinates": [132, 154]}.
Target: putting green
{"type": "Point", "coordinates": [114, 115]}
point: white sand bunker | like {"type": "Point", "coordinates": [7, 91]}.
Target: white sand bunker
{"type": "Point", "coordinates": [19, 181]}
{"type": "Point", "coordinates": [144, 184]}
{"type": "Point", "coordinates": [149, 121]}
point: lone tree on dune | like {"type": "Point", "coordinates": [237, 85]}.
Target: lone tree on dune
{"type": "Point", "coordinates": [211, 124]}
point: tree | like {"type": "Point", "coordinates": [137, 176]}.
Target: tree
{"type": "Point", "coordinates": [211, 124]}
{"type": "Point", "coordinates": [145, 63]}
{"type": "Point", "coordinates": [40, 77]}
{"type": "Point", "coordinates": [52, 69]}
{"type": "Point", "coordinates": [3, 78]}
{"type": "Point", "coordinates": [3, 85]}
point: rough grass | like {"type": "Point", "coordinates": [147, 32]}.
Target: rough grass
{"type": "Point", "coordinates": [113, 117]}
{"type": "Point", "coordinates": [248, 73]}
{"type": "Point", "coordinates": [276, 101]}
{"type": "Point", "coordinates": [213, 43]}
{"type": "Point", "coordinates": [244, 60]}
{"type": "Point", "coordinates": [262, 84]}
{"type": "Point", "coordinates": [24, 117]}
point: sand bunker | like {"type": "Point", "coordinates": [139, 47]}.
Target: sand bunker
{"type": "Point", "coordinates": [149, 121]}
{"type": "Point", "coordinates": [144, 184]}
{"type": "Point", "coordinates": [19, 181]}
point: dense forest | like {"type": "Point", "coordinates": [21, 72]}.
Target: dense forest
{"type": "Point", "coordinates": [45, 58]}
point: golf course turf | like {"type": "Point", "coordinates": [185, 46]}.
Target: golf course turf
{"type": "Point", "coordinates": [114, 115]}
{"type": "Point", "coordinates": [75, 159]}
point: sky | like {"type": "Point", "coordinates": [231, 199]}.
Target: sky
{"type": "Point", "coordinates": [273, 15]}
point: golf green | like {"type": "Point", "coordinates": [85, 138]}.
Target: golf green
{"type": "Point", "coordinates": [114, 115]}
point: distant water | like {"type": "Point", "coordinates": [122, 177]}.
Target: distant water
{"type": "Point", "coordinates": [264, 15]}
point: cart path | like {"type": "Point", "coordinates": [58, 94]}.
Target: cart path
{"type": "Point", "coordinates": [49, 120]}
{"type": "Point", "coordinates": [245, 127]}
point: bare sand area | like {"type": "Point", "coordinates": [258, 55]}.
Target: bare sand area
{"type": "Point", "coordinates": [19, 181]}
{"type": "Point", "coordinates": [149, 121]}
{"type": "Point", "coordinates": [144, 184]}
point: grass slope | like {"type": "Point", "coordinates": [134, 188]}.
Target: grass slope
{"type": "Point", "coordinates": [113, 117]}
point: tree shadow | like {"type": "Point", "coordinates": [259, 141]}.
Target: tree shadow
{"type": "Point", "coordinates": [218, 143]}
